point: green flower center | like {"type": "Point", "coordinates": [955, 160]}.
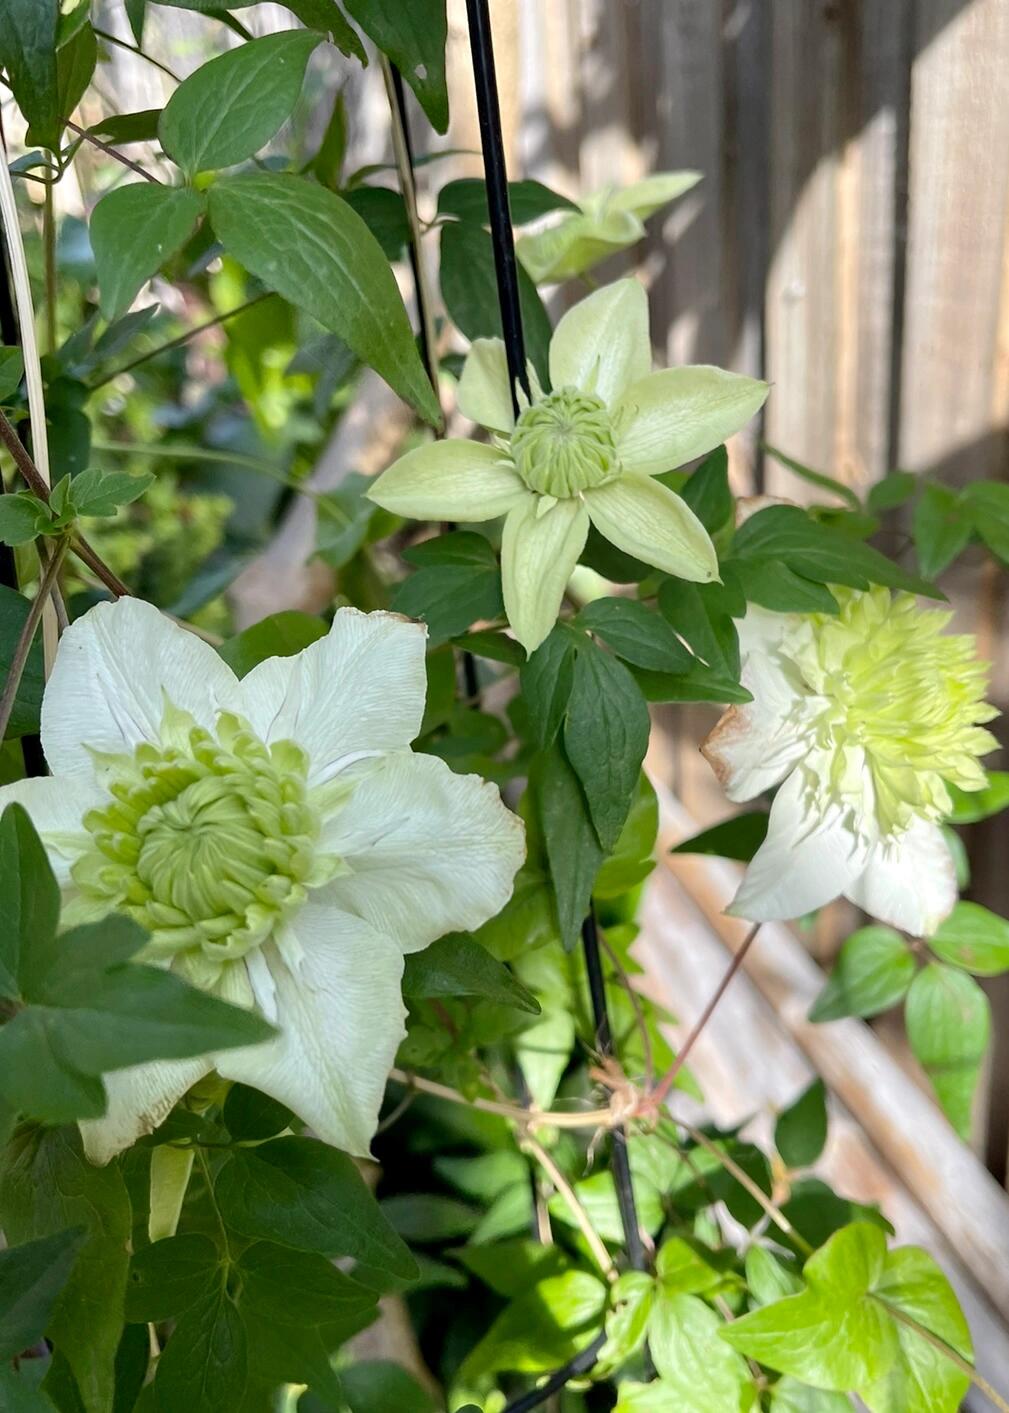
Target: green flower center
{"type": "Point", "coordinates": [908, 696]}
{"type": "Point", "coordinates": [564, 444]}
{"type": "Point", "coordinates": [208, 841]}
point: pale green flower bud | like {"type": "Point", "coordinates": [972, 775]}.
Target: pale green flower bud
{"type": "Point", "coordinates": [565, 444]}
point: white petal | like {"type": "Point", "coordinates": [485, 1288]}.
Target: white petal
{"type": "Point", "coordinates": [670, 417]}
{"type": "Point", "coordinates": [645, 197]}
{"type": "Point", "coordinates": [114, 668]}
{"type": "Point", "coordinates": [648, 520]}
{"type": "Point", "coordinates": [538, 553]}
{"type": "Point", "coordinates": [140, 1099]}
{"type": "Point", "coordinates": [358, 691]}
{"type": "Point", "coordinates": [334, 990]}
{"type": "Point", "coordinates": [811, 855]}
{"type": "Point", "coordinates": [601, 344]}
{"type": "Point", "coordinates": [454, 480]}
{"type": "Point", "coordinates": [484, 394]}
{"type": "Point", "coordinates": [56, 808]}
{"type": "Point", "coordinates": [429, 851]}
{"type": "Point", "coordinates": [909, 881]}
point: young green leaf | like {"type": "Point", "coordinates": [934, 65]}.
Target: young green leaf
{"type": "Point", "coordinates": [636, 633]}
{"type": "Point", "coordinates": [31, 1278]}
{"type": "Point", "coordinates": [101, 493]}
{"type": "Point", "coordinates": [231, 107]}
{"type": "Point", "coordinates": [699, 1371]}
{"type": "Point", "coordinates": [413, 36]}
{"type": "Point", "coordinates": [134, 231]}
{"type": "Point", "coordinates": [791, 1396]}
{"type": "Point", "coordinates": [458, 966]}
{"type": "Point", "coordinates": [801, 1130]}
{"type": "Point", "coordinates": [873, 971]}
{"type": "Point", "coordinates": [948, 1020]}
{"type": "Point", "coordinates": [973, 938]}
{"type": "Point", "coordinates": [768, 1278]}
{"type": "Point", "coordinates": [309, 246]}
{"type": "Point", "coordinates": [301, 1192]}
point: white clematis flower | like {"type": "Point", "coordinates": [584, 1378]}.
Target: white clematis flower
{"type": "Point", "coordinates": [275, 836]}
{"type": "Point", "coordinates": [585, 453]}
{"type": "Point", "coordinates": [865, 717]}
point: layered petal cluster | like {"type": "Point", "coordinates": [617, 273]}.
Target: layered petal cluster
{"type": "Point", "coordinates": [277, 838]}
{"type": "Point", "coordinates": [606, 222]}
{"type": "Point", "coordinates": [864, 719]}
{"type": "Point", "coordinates": [586, 453]}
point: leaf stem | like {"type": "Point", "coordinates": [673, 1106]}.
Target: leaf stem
{"type": "Point", "coordinates": [136, 49]}
{"type": "Point", "coordinates": [26, 637]}
{"type": "Point", "coordinates": [179, 339]}
{"type": "Point", "coordinates": [528, 1118]}
{"type": "Point", "coordinates": [113, 153]}
{"type": "Point", "coordinates": [595, 1242]}
{"type": "Point", "coordinates": [579, 1364]}
{"type": "Point", "coordinates": [49, 249]}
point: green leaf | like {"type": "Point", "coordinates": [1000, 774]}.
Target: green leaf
{"type": "Point", "coordinates": [251, 1116]}
{"type": "Point", "coordinates": [700, 1373]}
{"type": "Point", "coordinates": [18, 1393]}
{"type": "Point", "coordinates": [544, 1052]}
{"type": "Point", "coordinates": [768, 1278]}
{"type": "Point", "coordinates": [413, 36]}
{"type": "Point", "coordinates": [987, 503]}
{"type": "Point", "coordinates": [873, 971]}
{"type": "Point", "coordinates": [49, 1186]}
{"type": "Point", "coordinates": [28, 54]}
{"type": "Point", "coordinates": [971, 805]}
{"type": "Point", "coordinates": [801, 1130]}
{"type": "Point", "coordinates": [134, 231]}
{"type": "Point", "coordinates": [101, 493]}
{"type": "Point", "coordinates": [706, 491]}
{"type": "Point", "coordinates": [279, 635]}
{"type": "Point", "coordinates": [23, 516]}
{"type": "Point", "coordinates": [541, 1329]}
{"type": "Point", "coordinates": [469, 289]}
{"type": "Point", "coordinates": [833, 1334]}
{"type": "Point", "coordinates": [12, 368]}
{"type": "Point", "coordinates": [791, 1396]}
{"type": "Point", "coordinates": [457, 965]}
{"type": "Point", "coordinates": [324, 16]}
{"type": "Point", "coordinates": [204, 1367]}
{"type": "Point", "coordinates": [941, 528]}
{"type": "Point", "coordinates": [683, 1270]}
{"type": "Point", "coordinates": [605, 737]}
{"type": "Point", "coordinates": [737, 838]}
{"type": "Point", "coordinates": [922, 1379]}
{"type": "Point", "coordinates": [29, 895]}
{"type": "Point", "coordinates": [546, 679]}
{"type": "Point", "coordinates": [458, 583]}
{"type": "Point", "coordinates": [384, 213]}
{"type": "Point", "coordinates": [123, 128]}
{"type": "Point", "coordinates": [467, 200]}
{"type": "Point", "coordinates": [169, 1277]}
{"type": "Point", "coordinates": [309, 246]}
{"type": "Point", "coordinates": [893, 490]}
{"type": "Point", "coordinates": [493, 644]}
{"type": "Point", "coordinates": [31, 1278]}
{"type": "Point", "coordinates": [773, 584]}
{"type": "Point", "coordinates": [948, 1021]}
{"type": "Point", "coordinates": [572, 845]}
{"type": "Point", "coordinates": [702, 616]}
{"type": "Point", "coordinates": [635, 633]}
{"type": "Point", "coordinates": [75, 66]}
{"type": "Point", "coordinates": [232, 106]}
{"type": "Point", "coordinates": [307, 1195]}
{"type": "Point", "coordinates": [973, 938]}
{"type": "Point", "coordinates": [632, 1296]}
{"type": "Point", "coordinates": [815, 478]}
{"type": "Point", "coordinates": [376, 1383]}
{"type": "Point", "coordinates": [819, 552]}
{"type": "Point", "coordinates": [632, 857]}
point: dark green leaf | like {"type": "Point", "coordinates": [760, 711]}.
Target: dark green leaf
{"type": "Point", "coordinates": [279, 635]}
{"type": "Point", "coordinates": [132, 1359]}
{"type": "Point", "coordinates": [942, 526]}
{"type": "Point", "coordinates": [736, 838]}
{"type": "Point", "coordinates": [772, 584]}
{"type": "Point", "coordinates": [467, 200]}
{"type": "Point", "coordinates": [706, 491]}
{"type": "Point", "coordinates": [605, 737]}
{"type": "Point", "coordinates": [469, 289]}
{"type": "Point", "coordinates": [572, 845]}
{"type": "Point", "coordinates": [251, 1116]}
{"type": "Point", "coordinates": [636, 633]}
{"type": "Point", "coordinates": [231, 107]}
{"type": "Point", "coordinates": [815, 478]}
{"type": "Point", "coordinates": [458, 582]}
{"type": "Point", "coordinates": [325, 16]}
{"type": "Point", "coordinates": [123, 128]}
{"type": "Point", "coordinates": [631, 858]}
{"type": "Point", "coordinates": [31, 1278]}
{"type": "Point", "coordinates": [23, 516]}
{"type": "Point", "coordinates": [458, 966]}
{"type": "Point", "coordinates": [75, 66]}
{"type": "Point", "coordinates": [428, 1217]}
{"type": "Point", "coordinates": [29, 895]}
{"type": "Point", "coordinates": [307, 1195]}
{"type": "Point", "coordinates": [12, 368]}
{"type": "Point", "coordinates": [204, 1367]}
{"type": "Point", "coordinates": [893, 490]}
{"type": "Point", "coordinates": [801, 1130]}
{"type": "Point", "coordinates": [948, 1020]}
{"type": "Point", "coordinates": [384, 213]}
{"type": "Point", "coordinates": [134, 231]}
{"type": "Point", "coordinates": [413, 36]}
{"type": "Point", "coordinates": [19, 1394]}
{"type": "Point", "coordinates": [973, 938]}
{"type": "Point", "coordinates": [702, 616]}
{"type": "Point", "coordinates": [546, 680]}
{"type": "Point", "coordinates": [28, 54]}
{"type": "Point", "coordinates": [873, 971]}
{"type": "Point", "coordinates": [987, 503]}
{"type": "Point", "coordinates": [376, 1384]}
{"type": "Point", "coordinates": [169, 1277]}
{"type": "Point", "coordinates": [311, 247]}
{"type": "Point", "coordinates": [492, 644]}
{"type": "Point", "coordinates": [700, 684]}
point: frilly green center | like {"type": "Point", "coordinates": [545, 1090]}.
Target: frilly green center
{"type": "Point", "coordinates": [209, 841]}
{"type": "Point", "coordinates": [564, 444]}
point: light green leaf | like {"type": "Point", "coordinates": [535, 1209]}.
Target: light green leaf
{"type": "Point", "coordinates": [971, 805]}
{"type": "Point", "coordinates": [134, 231]}
{"type": "Point", "coordinates": [815, 478]}
{"type": "Point", "coordinates": [23, 516]}
{"type": "Point", "coordinates": [801, 1130]}
{"type": "Point", "coordinates": [683, 1270]}
{"type": "Point", "coordinates": [101, 493]}
{"type": "Point", "coordinates": [309, 246]}
{"type": "Point", "coordinates": [973, 938]}
{"type": "Point", "coordinates": [544, 1052]}
{"type": "Point", "coordinates": [28, 54]}
{"type": "Point", "coordinates": [231, 107]}
{"type": "Point", "coordinates": [791, 1396]}
{"type": "Point", "coordinates": [633, 1297]}
{"type": "Point", "coordinates": [699, 1371]}
{"type": "Point", "coordinates": [948, 1020]}
{"type": "Point", "coordinates": [632, 858]}
{"type": "Point", "coordinates": [768, 1278]}
{"type": "Point", "coordinates": [922, 1379]}
{"type": "Point", "coordinates": [873, 971]}
{"type": "Point", "coordinates": [542, 1329]}
{"type": "Point", "coordinates": [414, 38]}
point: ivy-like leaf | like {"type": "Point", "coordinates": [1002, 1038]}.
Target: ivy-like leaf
{"type": "Point", "coordinates": [698, 1370]}
{"type": "Point", "coordinates": [134, 231]}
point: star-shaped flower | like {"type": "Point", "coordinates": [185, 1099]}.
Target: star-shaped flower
{"type": "Point", "coordinates": [276, 837]}
{"type": "Point", "coordinates": [585, 453]}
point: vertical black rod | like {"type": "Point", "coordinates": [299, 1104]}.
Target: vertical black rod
{"type": "Point", "coordinates": [404, 124]}
{"type": "Point", "coordinates": [496, 177]}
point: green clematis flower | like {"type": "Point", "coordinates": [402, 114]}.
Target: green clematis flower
{"type": "Point", "coordinates": [608, 221]}
{"type": "Point", "coordinates": [585, 453]}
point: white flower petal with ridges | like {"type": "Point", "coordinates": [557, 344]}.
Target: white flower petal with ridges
{"type": "Point", "coordinates": [673, 416]}
{"type": "Point", "coordinates": [648, 520]}
{"type": "Point", "coordinates": [140, 1099]}
{"type": "Point", "coordinates": [356, 692]}
{"type": "Point", "coordinates": [331, 984]}
{"type": "Point", "coordinates": [484, 394]}
{"type": "Point", "coordinates": [810, 855]}
{"type": "Point", "coordinates": [755, 745]}
{"type": "Point", "coordinates": [909, 880]}
{"type": "Point", "coordinates": [454, 480]}
{"type": "Point", "coordinates": [57, 808]}
{"type": "Point", "coordinates": [113, 671]}
{"type": "Point", "coordinates": [427, 851]}
{"type": "Point", "coordinates": [601, 344]}
{"type": "Point", "coordinates": [538, 553]}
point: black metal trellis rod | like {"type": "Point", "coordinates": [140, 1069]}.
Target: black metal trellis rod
{"type": "Point", "coordinates": [580, 1364]}
{"type": "Point", "coordinates": [496, 177]}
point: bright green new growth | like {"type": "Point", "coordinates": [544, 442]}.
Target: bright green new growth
{"type": "Point", "coordinates": [565, 444]}
{"type": "Point", "coordinates": [908, 695]}
{"type": "Point", "coordinates": [208, 842]}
